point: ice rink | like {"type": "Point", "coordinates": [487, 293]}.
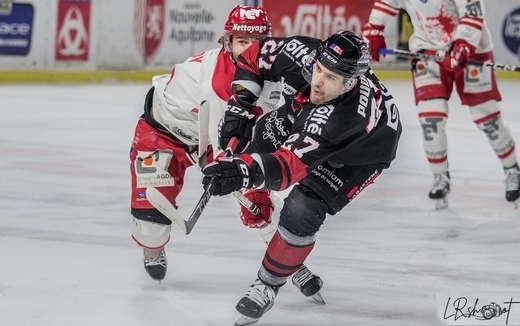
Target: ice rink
{"type": "Point", "coordinates": [67, 257]}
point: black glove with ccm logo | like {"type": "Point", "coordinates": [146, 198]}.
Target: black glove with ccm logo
{"type": "Point", "coordinates": [239, 120]}
{"type": "Point", "coordinates": [228, 174]}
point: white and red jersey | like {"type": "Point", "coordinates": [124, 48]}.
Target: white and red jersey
{"type": "Point", "coordinates": [438, 22]}
{"type": "Point", "coordinates": [202, 78]}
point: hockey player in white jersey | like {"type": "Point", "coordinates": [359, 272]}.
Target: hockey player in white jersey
{"type": "Point", "coordinates": [179, 129]}
{"type": "Point", "coordinates": [456, 28]}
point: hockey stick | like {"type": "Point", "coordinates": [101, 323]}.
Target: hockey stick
{"type": "Point", "coordinates": [164, 206]}
{"type": "Point", "coordinates": [496, 66]}
{"type": "Point", "coordinates": [242, 200]}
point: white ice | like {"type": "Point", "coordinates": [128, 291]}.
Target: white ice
{"type": "Point", "coordinates": [67, 257]}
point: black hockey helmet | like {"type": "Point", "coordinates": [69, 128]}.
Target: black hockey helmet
{"type": "Point", "coordinates": [344, 53]}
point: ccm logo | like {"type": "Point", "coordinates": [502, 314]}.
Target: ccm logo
{"type": "Point", "coordinates": [245, 174]}
{"type": "Point", "coordinates": [241, 112]}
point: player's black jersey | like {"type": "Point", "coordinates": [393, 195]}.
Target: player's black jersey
{"type": "Point", "coordinates": [275, 59]}
{"type": "Point", "coordinates": [360, 127]}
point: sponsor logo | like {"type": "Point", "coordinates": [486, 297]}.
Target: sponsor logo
{"type": "Point", "coordinates": [364, 94]}
{"type": "Point", "coordinates": [318, 117]}
{"type": "Point", "coordinates": [149, 26]}
{"type": "Point", "coordinates": [189, 24]}
{"type": "Point", "coordinates": [251, 29]}
{"type": "Point", "coordinates": [274, 130]}
{"type": "Point", "coordinates": [329, 176]}
{"type": "Point", "coordinates": [354, 192]}
{"type": "Point", "coordinates": [511, 32]}
{"type": "Point", "coordinates": [318, 20]}
{"type": "Point", "coordinates": [72, 36]}
{"type": "Point", "coordinates": [16, 22]}
{"type": "Point", "coordinates": [297, 51]}
{"type": "Point", "coordinates": [151, 169]}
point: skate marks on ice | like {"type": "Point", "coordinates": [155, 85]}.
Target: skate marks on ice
{"type": "Point", "coordinates": [69, 259]}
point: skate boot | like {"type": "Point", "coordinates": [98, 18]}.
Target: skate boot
{"type": "Point", "coordinates": [513, 185]}
{"type": "Point", "coordinates": [440, 188]}
{"type": "Point", "coordinates": [255, 303]}
{"type": "Point", "coordinates": [155, 263]}
{"type": "Point", "coordinates": [308, 283]}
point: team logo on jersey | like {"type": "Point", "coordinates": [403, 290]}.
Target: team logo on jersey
{"type": "Point", "coordinates": [149, 26]}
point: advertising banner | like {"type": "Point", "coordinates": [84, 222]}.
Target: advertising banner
{"type": "Point", "coordinates": [73, 30]}
{"type": "Point", "coordinates": [511, 31]}
{"type": "Point", "coordinates": [149, 26]}
{"type": "Point", "coordinates": [16, 24]}
{"type": "Point", "coordinates": [317, 18]}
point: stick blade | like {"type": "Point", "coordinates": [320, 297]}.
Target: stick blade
{"type": "Point", "coordinates": [164, 206]}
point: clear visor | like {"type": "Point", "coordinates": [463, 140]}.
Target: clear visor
{"type": "Point", "coordinates": [309, 67]}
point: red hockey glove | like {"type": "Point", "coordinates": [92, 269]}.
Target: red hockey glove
{"type": "Point", "coordinates": [232, 174]}
{"type": "Point", "coordinates": [460, 52]}
{"type": "Point", "coordinates": [375, 37]}
{"type": "Point", "coordinates": [261, 199]}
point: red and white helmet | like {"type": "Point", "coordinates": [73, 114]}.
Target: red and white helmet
{"type": "Point", "coordinates": [248, 21]}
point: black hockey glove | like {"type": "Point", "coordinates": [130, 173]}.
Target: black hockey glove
{"type": "Point", "coordinates": [232, 174]}
{"type": "Point", "coordinates": [239, 120]}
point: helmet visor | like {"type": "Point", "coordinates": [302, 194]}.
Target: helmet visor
{"type": "Point", "coordinates": [311, 67]}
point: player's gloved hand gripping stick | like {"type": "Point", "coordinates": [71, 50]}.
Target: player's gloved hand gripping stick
{"type": "Point", "coordinates": [160, 202]}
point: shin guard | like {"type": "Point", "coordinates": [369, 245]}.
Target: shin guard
{"type": "Point", "coordinates": [433, 115]}
{"type": "Point", "coordinates": [488, 119]}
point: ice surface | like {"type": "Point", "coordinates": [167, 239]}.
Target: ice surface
{"type": "Point", "coordinates": [67, 257]}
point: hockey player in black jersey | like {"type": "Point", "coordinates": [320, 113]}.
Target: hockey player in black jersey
{"type": "Point", "coordinates": [332, 139]}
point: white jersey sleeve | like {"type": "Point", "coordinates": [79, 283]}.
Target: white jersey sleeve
{"type": "Point", "coordinates": [190, 102]}
{"type": "Point", "coordinates": [472, 26]}
{"type": "Point", "coordinates": [176, 100]}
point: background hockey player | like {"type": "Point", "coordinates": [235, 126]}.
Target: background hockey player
{"type": "Point", "coordinates": [332, 139]}
{"type": "Point", "coordinates": [458, 28]}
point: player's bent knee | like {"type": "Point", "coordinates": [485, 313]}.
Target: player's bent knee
{"type": "Point", "coordinates": [150, 233]}
{"type": "Point", "coordinates": [484, 111]}
{"type": "Point", "coordinates": [434, 105]}
{"type": "Point", "coordinates": [303, 213]}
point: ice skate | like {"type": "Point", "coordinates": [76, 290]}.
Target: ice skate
{"type": "Point", "coordinates": [155, 263]}
{"type": "Point", "coordinates": [513, 185]}
{"type": "Point", "coordinates": [440, 188]}
{"type": "Point", "coordinates": [308, 283]}
{"type": "Point", "coordinates": [255, 303]}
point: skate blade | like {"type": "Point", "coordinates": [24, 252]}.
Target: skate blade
{"type": "Point", "coordinates": [516, 203]}
{"type": "Point", "coordinates": [318, 298]}
{"type": "Point", "coordinates": [244, 320]}
{"type": "Point", "coordinates": [441, 204]}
